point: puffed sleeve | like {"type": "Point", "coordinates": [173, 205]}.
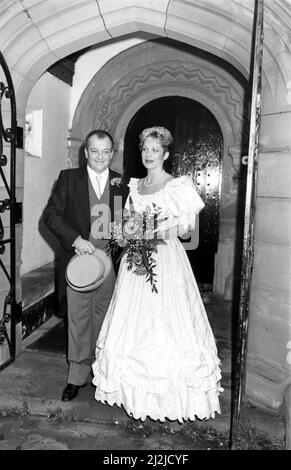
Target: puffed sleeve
{"type": "Point", "coordinates": [182, 202]}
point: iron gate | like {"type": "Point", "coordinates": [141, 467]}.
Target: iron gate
{"type": "Point", "coordinates": [11, 313]}
{"type": "Point", "coordinates": [249, 217]}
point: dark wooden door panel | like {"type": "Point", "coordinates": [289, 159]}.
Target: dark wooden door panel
{"type": "Point", "coordinates": [197, 152]}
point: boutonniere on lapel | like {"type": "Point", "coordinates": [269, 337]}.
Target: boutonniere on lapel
{"type": "Point", "coordinates": [117, 181]}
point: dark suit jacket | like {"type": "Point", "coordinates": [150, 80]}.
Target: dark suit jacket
{"type": "Point", "coordinates": [67, 213]}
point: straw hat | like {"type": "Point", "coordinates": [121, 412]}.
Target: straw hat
{"type": "Point", "coordinates": [85, 273]}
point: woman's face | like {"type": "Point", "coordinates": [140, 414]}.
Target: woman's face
{"type": "Point", "coordinates": [152, 153]}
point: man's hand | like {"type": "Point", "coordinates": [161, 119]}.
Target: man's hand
{"type": "Point", "coordinates": [83, 246]}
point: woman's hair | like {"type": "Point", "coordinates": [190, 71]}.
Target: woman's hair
{"type": "Point", "coordinates": [157, 132]}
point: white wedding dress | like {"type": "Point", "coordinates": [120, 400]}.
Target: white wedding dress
{"type": "Point", "coordinates": [156, 354]}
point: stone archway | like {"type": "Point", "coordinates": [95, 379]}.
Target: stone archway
{"type": "Point", "coordinates": [154, 69]}
{"type": "Point", "coordinates": [34, 36]}
{"type": "Point", "coordinates": [159, 68]}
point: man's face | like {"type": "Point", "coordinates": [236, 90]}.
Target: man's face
{"type": "Point", "coordinates": [99, 153]}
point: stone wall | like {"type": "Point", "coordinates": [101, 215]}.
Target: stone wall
{"type": "Point", "coordinates": [268, 366]}
{"type": "Point", "coordinates": [270, 305]}
{"type": "Point", "coordinates": [52, 96]}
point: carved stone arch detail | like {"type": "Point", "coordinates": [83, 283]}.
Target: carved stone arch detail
{"type": "Point", "coordinates": [165, 74]}
{"type": "Point", "coordinates": [151, 70]}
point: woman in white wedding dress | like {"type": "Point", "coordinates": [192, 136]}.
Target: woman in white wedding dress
{"type": "Point", "coordinates": [156, 354]}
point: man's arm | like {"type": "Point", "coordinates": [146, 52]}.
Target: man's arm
{"type": "Point", "coordinates": [54, 213]}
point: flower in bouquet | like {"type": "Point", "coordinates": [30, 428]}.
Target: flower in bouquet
{"type": "Point", "coordinates": [131, 233]}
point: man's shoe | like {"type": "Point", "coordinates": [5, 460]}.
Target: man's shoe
{"type": "Point", "coordinates": [70, 392]}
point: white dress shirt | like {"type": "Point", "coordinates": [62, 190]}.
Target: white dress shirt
{"type": "Point", "coordinates": [102, 180]}
{"type": "Point", "coordinates": [102, 183]}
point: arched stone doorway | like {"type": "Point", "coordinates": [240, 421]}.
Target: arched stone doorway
{"type": "Point", "coordinates": [154, 70]}
{"type": "Point", "coordinates": [224, 28]}
{"type": "Point", "coordinates": [197, 151]}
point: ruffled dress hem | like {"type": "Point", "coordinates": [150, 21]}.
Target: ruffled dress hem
{"type": "Point", "coordinates": [161, 399]}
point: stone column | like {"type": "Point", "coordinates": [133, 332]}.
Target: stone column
{"type": "Point", "coordinates": [74, 150]}
{"type": "Point", "coordinates": [268, 370]}
{"type": "Point", "coordinates": [226, 257]}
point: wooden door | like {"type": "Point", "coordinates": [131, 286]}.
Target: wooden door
{"type": "Point", "coordinates": [197, 151]}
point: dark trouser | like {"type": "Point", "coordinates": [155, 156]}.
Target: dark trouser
{"type": "Point", "coordinates": [86, 312]}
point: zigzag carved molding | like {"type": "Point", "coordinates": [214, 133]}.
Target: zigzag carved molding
{"type": "Point", "coordinates": [175, 74]}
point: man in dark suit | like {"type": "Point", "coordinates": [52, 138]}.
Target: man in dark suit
{"type": "Point", "coordinates": [71, 213]}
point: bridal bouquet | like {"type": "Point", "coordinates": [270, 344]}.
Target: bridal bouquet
{"type": "Point", "coordinates": [131, 233]}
